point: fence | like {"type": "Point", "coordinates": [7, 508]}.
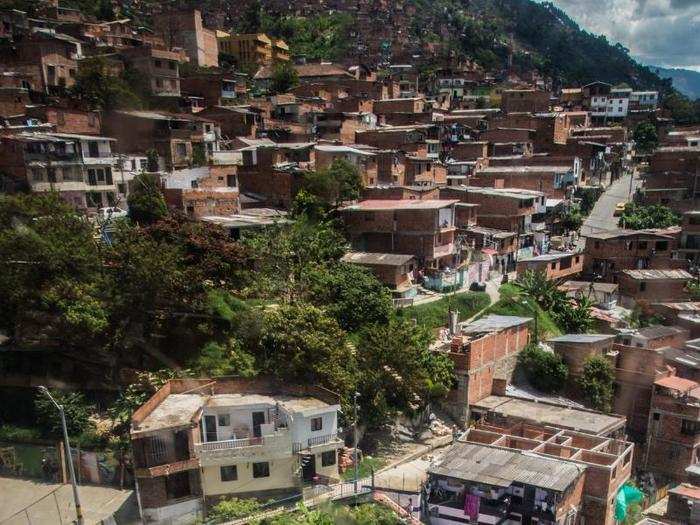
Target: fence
{"type": "Point", "coordinates": [102, 467]}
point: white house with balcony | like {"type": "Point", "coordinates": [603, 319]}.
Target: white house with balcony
{"type": "Point", "coordinates": [198, 440]}
{"type": "Point", "coordinates": [253, 443]}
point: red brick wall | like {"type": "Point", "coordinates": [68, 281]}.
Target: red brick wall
{"type": "Point", "coordinates": [658, 290]}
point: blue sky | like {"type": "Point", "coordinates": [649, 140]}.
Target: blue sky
{"type": "Point", "coordinates": [657, 32]}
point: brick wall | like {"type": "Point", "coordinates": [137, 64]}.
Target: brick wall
{"type": "Point", "coordinates": [652, 291]}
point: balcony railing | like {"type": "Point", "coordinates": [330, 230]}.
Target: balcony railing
{"type": "Point", "coordinates": [316, 441]}
{"type": "Point", "coordinates": [216, 452]}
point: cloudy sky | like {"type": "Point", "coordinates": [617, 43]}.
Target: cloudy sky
{"type": "Point", "coordinates": [657, 32]}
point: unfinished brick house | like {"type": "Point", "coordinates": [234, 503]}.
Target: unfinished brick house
{"type": "Point", "coordinates": [214, 87]}
{"type": "Point", "coordinates": [67, 119]}
{"type": "Point", "coordinates": [610, 252]}
{"type": "Point", "coordinates": [636, 369]}
{"type": "Point", "coordinates": [198, 440]}
{"type": "Point", "coordinates": [160, 68]}
{"type": "Point", "coordinates": [175, 137]}
{"type": "Point", "coordinates": [522, 473]}
{"type": "Point", "coordinates": [556, 182]}
{"type": "Point", "coordinates": [200, 192]}
{"type": "Point", "coordinates": [234, 121]}
{"type": "Point", "coordinates": [555, 265]}
{"type": "Point", "coordinates": [184, 29]}
{"type": "Point", "coordinates": [48, 60]}
{"type": "Point", "coordinates": [684, 314]}
{"type": "Point", "coordinates": [642, 287]}
{"type": "Point", "coordinates": [576, 349]}
{"type": "Point", "coordinates": [422, 228]}
{"type": "Point", "coordinates": [673, 435]}
{"type": "Point", "coordinates": [499, 209]}
{"type": "Point", "coordinates": [483, 351]}
{"type": "Point", "coordinates": [524, 100]}
{"type": "Point", "coordinates": [654, 336]}
{"type": "Point", "coordinates": [394, 270]}
{"type": "Point", "coordinates": [689, 243]}
{"type": "Point", "coordinates": [672, 178]}
{"type": "Point", "coordinates": [502, 410]}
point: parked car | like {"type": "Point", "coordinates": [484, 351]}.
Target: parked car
{"type": "Point", "coordinates": [111, 212]}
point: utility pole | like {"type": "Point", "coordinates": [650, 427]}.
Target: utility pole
{"type": "Point", "coordinates": [354, 451]}
{"type": "Point", "coordinates": [71, 469]}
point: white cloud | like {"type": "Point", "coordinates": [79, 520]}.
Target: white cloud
{"type": "Point", "coordinates": [657, 32]}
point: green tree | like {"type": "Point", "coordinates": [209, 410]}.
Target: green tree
{"type": "Point", "coordinates": [543, 291]}
{"type": "Point", "coordinates": [100, 90]}
{"type": "Point", "coordinates": [351, 294]}
{"type": "Point", "coordinates": [300, 343]}
{"type": "Point", "coordinates": [152, 160]}
{"type": "Point", "coordinates": [284, 78]}
{"type": "Point", "coordinates": [638, 217]}
{"type": "Point", "coordinates": [75, 406]}
{"type": "Point", "coordinates": [572, 220]}
{"type": "Point", "coordinates": [398, 372]}
{"type": "Point", "coordinates": [574, 316]}
{"type": "Point", "coordinates": [597, 383]}
{"type": "Point", "coordinates": [224, 359]}
{"type": "Point", "coordinates": [331, 187]}
{"type": "Point", "coordinates": [146, 201]}
{"type": "Point", "coordinates": [544, 370]}
{"type": "Point", "coordinates": [646, 137]}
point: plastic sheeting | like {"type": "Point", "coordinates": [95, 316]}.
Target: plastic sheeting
{"type": "Point", "coordinates": [625, 497]}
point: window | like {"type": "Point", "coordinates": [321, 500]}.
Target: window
{"type": "Point", "coordinates": [596, 245]}
{"type": "Point", "coordinates": [661, 246]}
{"type": "Point", "coordinates": [181, 149]}
{"type": "Point", "coordinates": [194, 184]}
{"type": "Point", "coordinates": [261, 470]}
{"type": "Point", "coordinates": [690, 427]}
{"type": "Point", "coordinates": [554, 266]}
{"type": "Point", "coordinates": [316, 424]}
{"type": "Point", "coordinates": [224, 420]}
{"type": "Point", "coordinates": [229, 473]}
{"type": "Point", "coordinates": [642, 245]}
{"type": "Point", "coordinates": [328, 458]}
{"type": "Point", "coordinates": [642, 287]}
{"type": "Point", "coordinates": [171, 65]}
{"type": "Point", "coordinates": [158, 63]}
{"type": "Point", "coordinates": [656, 416]}
{"type": "Point", "coordinates": [61, 117]}
{"type": "Point", "coordinates": [159, 82]}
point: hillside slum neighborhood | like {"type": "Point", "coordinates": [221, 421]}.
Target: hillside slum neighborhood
{"type": "Point", "coordinates": [467, 181]}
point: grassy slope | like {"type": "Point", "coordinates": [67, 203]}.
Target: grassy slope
{"type": "Point", "coordinates": [434, 315]}
{"type": "Point", "coordinates": [547, 327]}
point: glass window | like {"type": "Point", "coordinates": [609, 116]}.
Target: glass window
{"type": "Point", "coordinates": [261, 470]}
{"type": "Point", "coordinates": [229, 473]}
{"type": "Point", "coordinates": [316, 424]}
{"type": "Point", "coordinates": [328, 458]}
{"type": "Point", "coordinates": [224, 420]}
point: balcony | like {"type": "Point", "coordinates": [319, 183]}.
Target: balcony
{"type": "Point", "coordinates": [278, 444]}
{"type": "Point", "coordinates": [443, 251]}
{"type": "Point", "coordinates": [317, 441]}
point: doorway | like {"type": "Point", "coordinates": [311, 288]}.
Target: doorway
{"type": "Point", "coordinates": [308, 467]}
{"type": "Point", "coordinates": [258, 419]}
{"type": "Point", "coordinates": [210, 433]}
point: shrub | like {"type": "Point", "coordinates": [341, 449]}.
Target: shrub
{"type": "Point", "coordinates": [232, 508]}
{"type": "Point", "coordinates": [76, 408]}
{"type": "Point", "coordinates": [597, 383]}
{"type": "Point", "coordinates": [544, 370]}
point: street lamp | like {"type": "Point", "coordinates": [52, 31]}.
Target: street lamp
{"type": "Point", "coordinates": [71, 469]}
{"type": "Point", "coordinates": [354, 402]}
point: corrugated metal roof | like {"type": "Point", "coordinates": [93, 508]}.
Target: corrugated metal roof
{"type": "Point", "coordinates": [498, 467]}
{"type": "Point", "coordinates": [581, 338]}
{"type": "Point", "coordinates": [493, 323]}
{"type": "Point", "coordinates": [657, 274]}
{"type": "Point", "coordinates": [379, 259]}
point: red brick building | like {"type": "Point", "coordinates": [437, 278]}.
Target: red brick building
{"type": "Point", "coordinates": [68, 120]}
{"type": "Point", "coordinates": [524, 100]}
{"type": "Point", "coordinates": [483, 351]}
{"type": "Point", "coordinates": [555, 265]}
{"type": "Point", "coordinates": [184, 29]}
{"type": "Point", "coordinates": [394, 270]}
{"type": "Point", "coordinates": [642, 287]}
{"type": "Point", "coordinates": [673, 435]}
{"type": "Point", "coordinates": [422, 228]}
{"type": "Point", "coordinates": [610, 252]}
{"type": "Point", "coordinates": [556, 182]}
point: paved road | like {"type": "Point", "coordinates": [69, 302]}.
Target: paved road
{"type": "Point", "coordinates": [29, 502]}
{"type": "Point", "coordinates": [602, 218]}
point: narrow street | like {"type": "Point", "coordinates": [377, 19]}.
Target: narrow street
{"type": "Point", "coordinates": [602, 217]}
